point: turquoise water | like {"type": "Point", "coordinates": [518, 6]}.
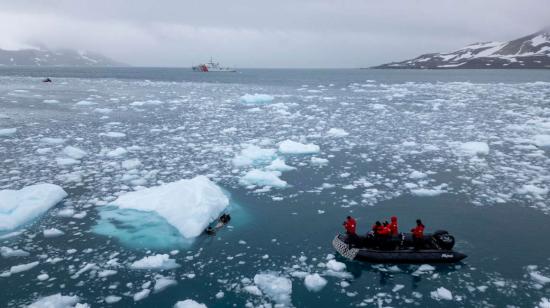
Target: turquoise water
{"type": "Point", "coordinates": [194, 124]}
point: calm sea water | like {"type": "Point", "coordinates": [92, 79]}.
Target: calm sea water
{"type": "Point", "coordinates": [464, 150]}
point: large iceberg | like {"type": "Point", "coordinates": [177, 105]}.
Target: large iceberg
{"type": "Point", "coordinates": [188, 205]}
{"type": "Point", "coordinates": [18, 207]}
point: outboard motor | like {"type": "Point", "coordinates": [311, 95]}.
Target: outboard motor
{"type": "Point", "coordinates": [443, 239]}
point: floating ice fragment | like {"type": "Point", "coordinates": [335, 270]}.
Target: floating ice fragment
{"type": "Point", "coordinates": [441, 294]}
{"type": "Point", "coordinates": [8, 252]}
{"type": "Point", "coordinates": [74, 152]}
{"type": "Point", "coordinates": [156, 262]}
{"type": "Point", "coordinates": [21, 206]}
{"type": "Point", "coordinates": [189, 303]}
{"type": "Point", "coordinates": [111, 299]}
{"type": "Point", "coordinates": [252, 154]}
{"type": "Point", "coordinates": [315, 282]}
{"type": "Point", "coordinates": [293, 147]}
{"type": "Point", "coordinates": [279, 165]}
{"type": "Point", "coordinates": [53, 232]}
{"type": "Point", "coordinates": [335, 265]}
{"type": "Point", "coordinates": [57, 301]}
{"type": "Point", "coordinates": [473, 148]}
{"type": "Point", "coordinates": [263, 178]}
{"type": "Point", "coordinates": [4, 132]}
{"type": "Point", "coordinates": [337, 133]}
{"type": "Point", "coordinates": [189, 205]}
{"type": "Point", "coordinates": [256, 98]}
{"type": "Point", "coordinates": [278, 288]}
{"type": "Point", "coordinates": [141, 295]}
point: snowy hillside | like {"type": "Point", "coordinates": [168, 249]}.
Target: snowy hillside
{"type": "Point", "coordinates": [44, 57]}
{"type": "Point", "coordinates": [531, 51]}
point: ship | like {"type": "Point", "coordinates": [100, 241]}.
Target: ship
{"type": "Point", "coordinates": [212, 67]}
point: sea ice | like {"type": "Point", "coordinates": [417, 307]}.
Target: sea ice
{"type": "Point", "coordinates": [57, 301]}
{"type": "Point", "coordinates": [189, 205]}
{"type": "Point", "coordinates": [542, 140]}
{"type": "Point", "coordinates": [336, 266]}
{"type": "Point", "coordinates": [473, 148]}
{"type": "Point", "coordinates": [314, 282]}
{"type": "Point", "coordinates": [53, 232]}
{"type": "Point", "coordinates": [74, 152]}
{"type": "Point", "coordinates": [21, 206]}
{"type": "Point", "coordinates": [293, 147]}
{"type": "Point", "coordinates": [279, 165]}
{"type": "Point", "coordinates": [263, 178]}
{"type": "Point", "coordinates": [189, 303]}
{"type": "Point", "coordinates": [155, 262]}
{"type": "Point", "coordinates": [278, 288]}
{"type": "Point", "coordinates": [256, 98]}
{"type": "Point", "coordinates": [252, 154]}
{"type": "Point", "coordinates": [111, 299]}
{"type": "Point", "coordinates": [8, 252]}
{"type": "Point", "coordinates": [161, 283]}
{"type": "Point", "coordinates": [441, 294]}
{"type": "Point", "coordinates": [141, 295]}
{"type": "Point", "coordinates": [337, 133]}
{"type": "Point", "coordinates": [4, 132]}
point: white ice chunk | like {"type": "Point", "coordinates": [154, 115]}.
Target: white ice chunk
{"type": "Point", "coordinates": [74, 152]}
{"type": "Point", "coordinates": [473, 148]}
{"type": "Point", "coordinates": [141, 295]}
{"type": "Point", "coordinates": [4, 132]}
{"type": "Point", "coordinates": [23, 267]}
{"type": "Point", "coordinates": [278, 288]}
{"type": "Point", "coordinates": [189, 303]}
{"type": "Point", "coordinates": [293, 147]}
{"type": "Point", "coordinates": [542, 140]}
{"type": "Point", "coordinates": [335, 265]}
{"type": "Point", "coordinates": [441, 294]}
{"type": "Point", "coordinates": [256, 98]}
{"type": "Point", "coordinates": [53, 232]}
{"type": "Point", "coordinates": [252, 154]}
{"type": "Point", "coordinates": [263, 178]}
{"type": "Point", "coordinates": [162, 283]}
{"type": "Point", "coordinates": [131, 163]}
{"type": "Point", "coordinates": [18, 207]}
{"type": "Point", "coordinates": [319, 161]}
{"type": "Point", "coordinates": [279, 165]}
{"type": "Point", "coordinates": [8, 252]}
{"type": "Point", "coordinates": [111, 299]}
{"type": "Point", "coordinates": [113, 134]}
{"type": "Point", "coordinates": [189, 205]}
{"type": "Point", "coordinates": [118, 152]}
{"type": "Point", "coordinates": [56, 301]}
{"type": "Point", "coordinates": [156, 262]}
{"type": "Point", "coordinates": [315, 282]}
{"type": "Point", "coordinates": [337, 133]}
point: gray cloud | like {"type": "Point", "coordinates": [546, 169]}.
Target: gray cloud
{"type": "Point", "coordinates": [282, 33]}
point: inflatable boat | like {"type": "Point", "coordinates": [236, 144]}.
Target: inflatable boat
{"type": "Point", "coordinates": [434, 248]}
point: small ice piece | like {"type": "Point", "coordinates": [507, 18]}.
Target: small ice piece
{"type": "Point", "coordinates": [533, 190]}
{"type": "Point", "coordinates": [111, 299]}
{"type": "Point", "coordinates": [8, 252]}
{"type": "Point", "coordinates": [156, 262]}
{"type": "Point", "coordinates": [21, 206]}
{"type": "Point", "coordinates": [118, 152]}
{"type": "Point", "coordinates": [65, 161]}
{"type": "Point", "coordinates": [252, 154]}
{"type": "Point", "coordinates": [397, 287]}
{"type": "Point", "coordinates": [23, 267]}
{"type": "Point", "coordinates": [256, 98]}
{"type": "Point", "coordinates": [417, 175]}
{"type": "Point", "coordinates": [66, 212]}
{"type": "Point", "coordinates": [423, 269]}
{"type": "Point", "coordinates": [131, 163]}
{"type": "Point", "coordinates": [220, 295]}
{"type": "Point", "coordinates": [424, 192]}
{"type": "Point", "coordinates": [474, 148]}
{"type": "Point", "coordinates": [54, 141]}
{"type": "Point", "coordinates": [85, 103]}
{"type": "Point", "coordinates": [4, 132]}
{"type": "Point", "coordinates": [50, 101]}
{"type": "Point", "coordinates": [189, 303]}
{"type": "Point", "coordinates": [106, 273]}
{"type": "Point", "coordinates": [43, 277]}
{"type": "Point", "coordinates": [74, 152]}
{"type": "Point", "coordinates": [318, 161]}
{"type": "Point", "coordinates": [293, 147]}
{"type": "Point", "coordinates": [263, 178]}
{"type": "Point", "coordinates": [141, 295]}
{"type": "Point", "coordinates": [542, 140]}
{"type": "Point", "coordinates": [113, 134]}
{"type": "Point", "coordinates": [278, 288]}
{"type": "Point", "coordinates": [441, 294]}
{"type": "Point", "coordinates": [315, 282]}
{"type": "Point", "coordinates": [53, 232]}
{"type": "Point", "coordinates": [335, 265]}
{"type": "Point", "coordinates": [103, 110]}
{"type": "Point", "coordinates": [189, 205]}
{"type": "Point", "coordinates": [536, 276]}
{"type": "Point", "coordinates": [161, 283]}
{"type": "Point", "coordinates": [337, 133]}
{"type": "Point", "coordinates": [544, 303]}
{"type": "Point", "coordinates": [279, 165]}
{"type": "Point", "coordinates": [56, 301]}
{"type": "Point", "coordinates": [254, 290]}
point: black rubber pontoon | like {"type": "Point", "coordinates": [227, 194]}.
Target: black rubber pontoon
{"type": "Point", "coordinates": [436, 248]}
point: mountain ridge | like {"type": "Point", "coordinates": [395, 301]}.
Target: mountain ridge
{"type": "Point", "coordinates": [46, 57]}
{"type": "Point", "coordinates": [531, 51]}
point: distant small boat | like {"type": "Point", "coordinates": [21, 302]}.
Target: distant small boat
{"type": "Point", "coordinates": [212, 67]}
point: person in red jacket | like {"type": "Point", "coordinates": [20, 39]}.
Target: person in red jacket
{"type": "Point", "coordinates": [350, 225]}
{"type": "Point", "coordinates": [393, 226]}
{"type": "Point", "coordinates": [418, 234]}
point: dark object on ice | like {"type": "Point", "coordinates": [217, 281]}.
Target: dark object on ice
{"type": "Point", "coordinates": [47, 80]}
{"type": "Point", "coordinates": [222, 221]}
{"type": "Point", "coordinates": [436, 248]}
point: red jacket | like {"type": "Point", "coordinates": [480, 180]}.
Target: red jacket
{"type": "Point", "coordinates": [384, 230]}
{"type": "Point", "coordinates": [393, 226]}
{"type": "Point", "coordinates": [350, 225]}
{"type": "Point", "coordinates": [418, 231]}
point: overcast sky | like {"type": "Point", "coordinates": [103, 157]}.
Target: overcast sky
{"type": "Point", "coordinates": [258, 33]}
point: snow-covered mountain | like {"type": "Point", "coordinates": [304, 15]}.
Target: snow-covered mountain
{"type": "Point", "coordinates": [45, 57]}
{"type": "Point", "coordinates": [531, 51]}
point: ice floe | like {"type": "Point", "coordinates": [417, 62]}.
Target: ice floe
{"type": "Point", "coordinates": [293, 147]}
{"type": "Point", "coordinates": [19, 207]}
